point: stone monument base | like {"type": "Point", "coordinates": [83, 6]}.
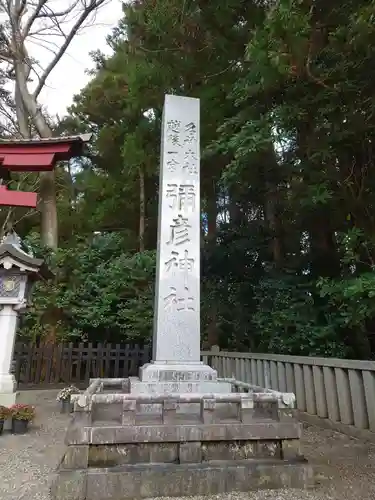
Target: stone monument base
{"type": "Point", "coordinates": [231, 442]}
{"type": "Point", "coordinates": [175, 480]}
{"type": "Point", "coordinates": [8, 399]}
{"type": "Point", "coordinates": [171, 378]}
{"type": "Point", "coordinates": [8, 393]}
{"type": "Point", "coordinates": [8, 384]}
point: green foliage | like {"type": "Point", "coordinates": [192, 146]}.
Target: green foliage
{"type": "Point", "coordinates": [100, 293]}
{"type": "Point", "coordinates": [287, 177]}
{"type": "Point", "coordinates": [292, 320]}
{"type": "Point", "coordinates": [300, 140]}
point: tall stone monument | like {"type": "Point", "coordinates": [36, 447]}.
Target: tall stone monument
{"type": "Point", "coordinates": [176, 365]}
{"type": "Point", "coordinates": [177, 300]}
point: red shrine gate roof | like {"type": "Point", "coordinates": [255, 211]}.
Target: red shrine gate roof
{"type": "Point", "coordinates": [35, 155]}
{"type": "Point", "coordinates": [40, 155]}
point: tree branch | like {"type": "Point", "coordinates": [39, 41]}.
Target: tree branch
{"type": "Point", "coordinates": [33, 17]}
{"type": "Point", "coordinates": [94, 4]}
{"type": "Point", "coordinates": [63, 13]}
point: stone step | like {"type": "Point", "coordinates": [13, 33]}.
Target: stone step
{"type": "Point", "coordinates": [174, 480]}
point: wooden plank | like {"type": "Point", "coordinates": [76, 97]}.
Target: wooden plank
{"type": "Point", "coordinates": [243, 369]}
{"type": "Point", "coordinates": [274, 377]}
{"type": "Point", "coordinates": [126, 361]}
{"type": "Point", "coordinates": [116, 369]}
{"type": "Point", "coordinates": [300, 387]}
{"type": "Point", "coordinates": [309, 389]}
{"type": "Point", "coordinates": [99, 360]}
{"type": "Point", "coordinates": [320, 392]}
{"type": "Point", "coordinates": [357, 392]}
{"type": "Point", "coordinates": [252, 374]}
{"type": "Point", "coordinates": [69, 362]}
{"type": "Point", "coordinates": [281, 376]}
{"type": "Point", "coordinates": [331, 392]}
{"type": "Point", "coordinates": [39, 361]}
{"type": "Point", "coordinates": [58, 363]}
{"type": "Point", "coordinates": [107, 360]}
{"type": "Point", "coordinates": [139, 358]}
{"type": "Point", "coordinates": [146, 354]}
{"type": "Point", "coordinates": [88, 358]}
{"type": "Point", "coordinates": [81, 348]}
{"type": "Point", "coordinates": [345, 400]}
{"type": "Point", "coordinates": [369, 388]}
{"type": "Point", "coordinates": [134, 360]}
{"type": "Point", "coordinates": [48, 360]}
{"type": "Point", "coordinates": [260, 373]}
{"type": "Point", "coordinates": [237, 369]}
{"type": "Point", "coordinates": [290, 381]}
{"type": "Point", "coordinates": [29, 363]}
{"type": "Point", "coordinates": [19, 356]}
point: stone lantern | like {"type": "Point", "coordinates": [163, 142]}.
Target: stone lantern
{"type": "Point", "coordinates": [18, 272]}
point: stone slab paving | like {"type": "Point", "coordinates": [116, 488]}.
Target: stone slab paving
{"type": "Point", "coordinates": [346, 467]}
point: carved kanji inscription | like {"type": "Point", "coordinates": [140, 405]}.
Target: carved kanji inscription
{"type": "Point", "coordinates": [174, 132]}
{"type": "Point", "coordinates": [181, 196]}
{"type": "Point", "coordinates": [184, 302]}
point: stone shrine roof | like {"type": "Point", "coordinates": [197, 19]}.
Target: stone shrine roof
{"type": "Point", "coordinates": [20, 256]}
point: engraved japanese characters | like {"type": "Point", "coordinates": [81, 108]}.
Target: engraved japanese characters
{"type": "Point", "coordinates": [181, 198]}
{"type": "Point", "coordinates": [178, 266]}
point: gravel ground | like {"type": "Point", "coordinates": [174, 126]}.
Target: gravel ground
{"type": "Point", "coordinates": [345, 466]}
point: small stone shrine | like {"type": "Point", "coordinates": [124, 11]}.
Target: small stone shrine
{"type": "Point", "coordinates": [18, 272]}
{"type": "Point", "coordinates": [178, 429]}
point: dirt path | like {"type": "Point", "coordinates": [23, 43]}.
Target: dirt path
{"type": "Point", "coordinates": [346, 467]}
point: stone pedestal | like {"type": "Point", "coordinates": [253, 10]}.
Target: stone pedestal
{"type": "Point", "coordinates": [173, 378]}
{"type": "Point", "coordinates": [8, 327]}
{"type": "Point", "coordinates": [8, 384]}
{"type": "Point", "coordinates": [233, 442]}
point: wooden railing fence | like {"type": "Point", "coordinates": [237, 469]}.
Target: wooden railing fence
{"type": "Point", "coordinates": [339, 390]}
{"type": "Point", "coordinates": [76, 363]}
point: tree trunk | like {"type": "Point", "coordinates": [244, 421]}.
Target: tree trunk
{"type": "Point", "coordinates": [271, 209]}
{"type": "Point", "coordinates": [22, 114]}
{"type": "Point", "coordinates": [48, 209]}
{"type": "Point", "coordinates": [325, 260]}
{"type": "Point", "coordinates": [237, 217]}
{"type": "Point", "coordinates": [142, 209]}
{"type": "Point", "coordinates": [212, 328]}
{"type": "Point", "coordinates": [272, 206]}
{"type": "Point", "coordinates": [49, 224]}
